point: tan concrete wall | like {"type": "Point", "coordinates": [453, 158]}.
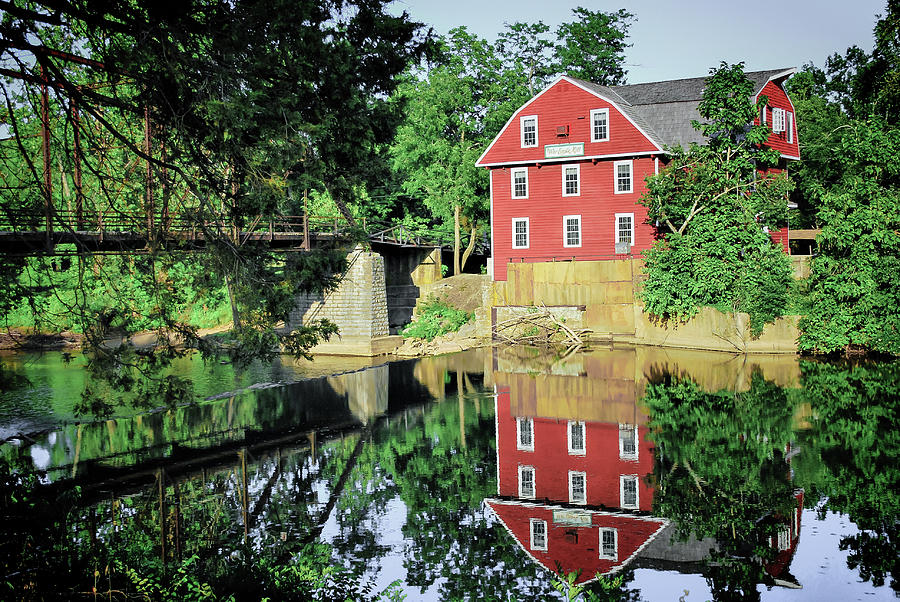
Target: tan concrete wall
{"type": "Point", "coordinates": [604, 291]}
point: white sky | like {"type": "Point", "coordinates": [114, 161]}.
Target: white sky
{"type": "Point", "coordinates": [673, 40]}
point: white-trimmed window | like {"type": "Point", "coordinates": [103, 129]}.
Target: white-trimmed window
{"type": "Point", "coordinates": [577, 487]}
{"type": "Point", "coordinates": [609, 540]}
{"type": "Point", "coordinates": [762, 113]}
{"type": "Point", "coordinates": [528, 127]}
{"type": "Point", "coordinates": [576, 438]}
{"type": "Point", "coordinates": [624, 228]}
{"type": "Point", "coordinates": [525, 434]}
{"type": "Point", "coordinates": [538, 534]}
{"type": "Point", "coordinates": [790, 127]}
{"type": "Point", "coordinates": [628, 491]}
{"type": "Point", "coordinates": [571, 230]}
{"type": "Point", "coordinates": [571, 180]}
{"type": "Point", "coordinates": [520, 233]}
{"type": "Point", "coordinates": [623, 174]}
{"type": "Point", "coordinates": [599, 125]}
{"type": "Point", "coordinates": [777, 120]}
{"type": "Point", "coordinates": [526, 482]}
{"type": "Point", "coordinates": [519, 182]}
{"type": "Point", "coordinates": [628, 437]}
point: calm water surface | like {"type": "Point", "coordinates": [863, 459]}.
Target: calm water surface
{"type": "Point", "coordinates": [693, 476]}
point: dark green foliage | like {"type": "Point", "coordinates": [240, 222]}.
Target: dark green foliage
{"type": "Point", "coordinates": [853, 288]}
{"type": "Point", "coordinates": [714, 212]}
{"type": "Point", "coordinates": [436, 318]}
{"type": "Point", "coordinates": [592, 46]}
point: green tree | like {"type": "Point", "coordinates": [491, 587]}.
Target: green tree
{"type": "Point", "coordinates": [592, 46]}
{"type": "Point", "coordinates": [453, 111]}
{"type": "Point", "coordinates": [251, 103]}
{"type": "Point", "coordinates": [714, 211]}
{"type": "Point", "coordinates": [852, 284]}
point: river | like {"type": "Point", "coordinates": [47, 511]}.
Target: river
{"type": "Point", "coordinates": [634, 473]}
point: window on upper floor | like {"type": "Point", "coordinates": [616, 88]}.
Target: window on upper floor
{"type": "Point", "coordinates": [519, 182]}
{"type": "Point", "coordinates": [528, 126]}
{"type": "Point", "coordinates": [624, 229]}
{"type": "Point", "coordinates": [790, 127]}
{"type": "Point", "coordinates": [777, 120]}
{"type": "Point", "coordinates": [577, 487]}
{"type": "Point", "coordinates": [526, 481]}
{"type": "Point", "coordinates": [628, 449]}
{"type": "Point", "coordinates": [571, 230]}
{"type": "Point", "coordinates": [628, 492]}
{"type": "Point", "coordinates": [762, 114]}
{"type": "Point", "coordinates": [520, 233]}
{"type": "Point", "coordinates": [571, 180]}
{"type": "Point", "coordinates": [609, 548]}
{"type": "Point", "coordinates": [622, 171]}
{"type": "Point", "coordinates": [599, 125]}
{"type": "Point", "coordinates": [525, 434]}
{"type": "Point", "coordinates": [576, 438]}
{"type": "Point", "coordinates": [538, 534]}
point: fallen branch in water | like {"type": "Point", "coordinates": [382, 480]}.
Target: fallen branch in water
{"type": "Point", "coordinates": [540, 328]}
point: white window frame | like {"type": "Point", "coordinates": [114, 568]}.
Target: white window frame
{"type": "Point", "coordinates": [577, 168]}
{"type": "Point", "coordinates": [537, 521]}
{"type": "Point", "coordinates": [616, 227]}
{"type": "Point", "coordinates": [637, 492]}
{"type": "Point", "coordinates": [594, 112]}
{"type": "Point", "coordinates": [527, 233]}
{"type": "Point", "coordinates": [622, 454]}
{"type": "Point", "coordinates": [522, 494]}
{"type": "Point", "coordinates": [764, 111]}
{"type": "Point", "coordinates": [789, 124]}
{"type": "Point", "coordinates": [572, 449]}
{"type": "Point", "coordinates": [615, 554]}
{"type": "Point", "coordinates": [522, 121]}
{"type": "Point", "coordinates": [630, 164]}
{"type": "Point", "coordinates": [512, 182]}
{"type": "Point", "coordinates": [566, 219]}
{"type": "Point", "coordinates": [574, 474]}
{"type": "Point", "coordinates": [778, 120]}
{"type": "Point", "coordinates": [521, 420]}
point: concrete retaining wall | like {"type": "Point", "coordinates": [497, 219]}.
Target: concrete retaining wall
{"type": "Point", "coordinates": [603, 293]}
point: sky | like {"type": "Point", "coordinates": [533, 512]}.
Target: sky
{"type": "Point", "coordinates": [673, 40]}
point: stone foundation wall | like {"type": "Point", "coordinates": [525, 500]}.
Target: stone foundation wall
{"type": "Point", "coordinates": [603, 294]}
{"type": "Point", "coordinates": [358, 306]}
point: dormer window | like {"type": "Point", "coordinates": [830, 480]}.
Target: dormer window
{"type": "Point", "coordinates": [528, 126]}
{"type": "Point", "coordinates": [599, 125]}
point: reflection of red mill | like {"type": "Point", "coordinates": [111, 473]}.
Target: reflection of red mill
{"type": "Point", "coordinates": [573, 458]}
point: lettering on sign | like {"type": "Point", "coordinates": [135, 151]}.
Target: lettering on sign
{"type": "Point", "coordinates": [571, 149]}
{"type": "Point", "coordinates": [574, 518]}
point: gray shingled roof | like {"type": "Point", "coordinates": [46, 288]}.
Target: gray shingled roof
{"type": "Point", "coordinates": [665, 109]}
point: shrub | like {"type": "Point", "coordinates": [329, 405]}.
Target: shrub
{"type": "Point", "coordinates": [437, 318]}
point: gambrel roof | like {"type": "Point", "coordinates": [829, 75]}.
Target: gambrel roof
{"type": "Point", "coordinates": [665, 109]}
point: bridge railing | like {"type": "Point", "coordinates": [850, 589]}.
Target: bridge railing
{"type": "Point", "coordinates": [113, 221]}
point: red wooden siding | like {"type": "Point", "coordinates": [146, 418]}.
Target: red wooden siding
{"type": "Point", "coordinates": [565, 104]}
{"type": "Point", "coordinates": [552, 461]}
{"type": "Point", "coordinates": [545, 207]}
{"type": "Point", "coordinates": [576, 547]}
{"type": "Point", "coordinates": [779, 99]}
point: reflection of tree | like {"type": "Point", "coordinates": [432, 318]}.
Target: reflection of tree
{"type": "Point", "coordinates": [851, 458]}
{"type": "Point", "coordinates": [721, 469]}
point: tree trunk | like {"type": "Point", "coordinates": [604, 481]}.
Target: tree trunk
{"type": "Point", "coordinates": [456, 242]}
{"type": "Point", "coordinates": [235, 312]}
{"type": "Point", "coordinates": [471, 246]}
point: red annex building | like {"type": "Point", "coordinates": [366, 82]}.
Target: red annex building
{"type": "Point", "coordinates": [568, 168]}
